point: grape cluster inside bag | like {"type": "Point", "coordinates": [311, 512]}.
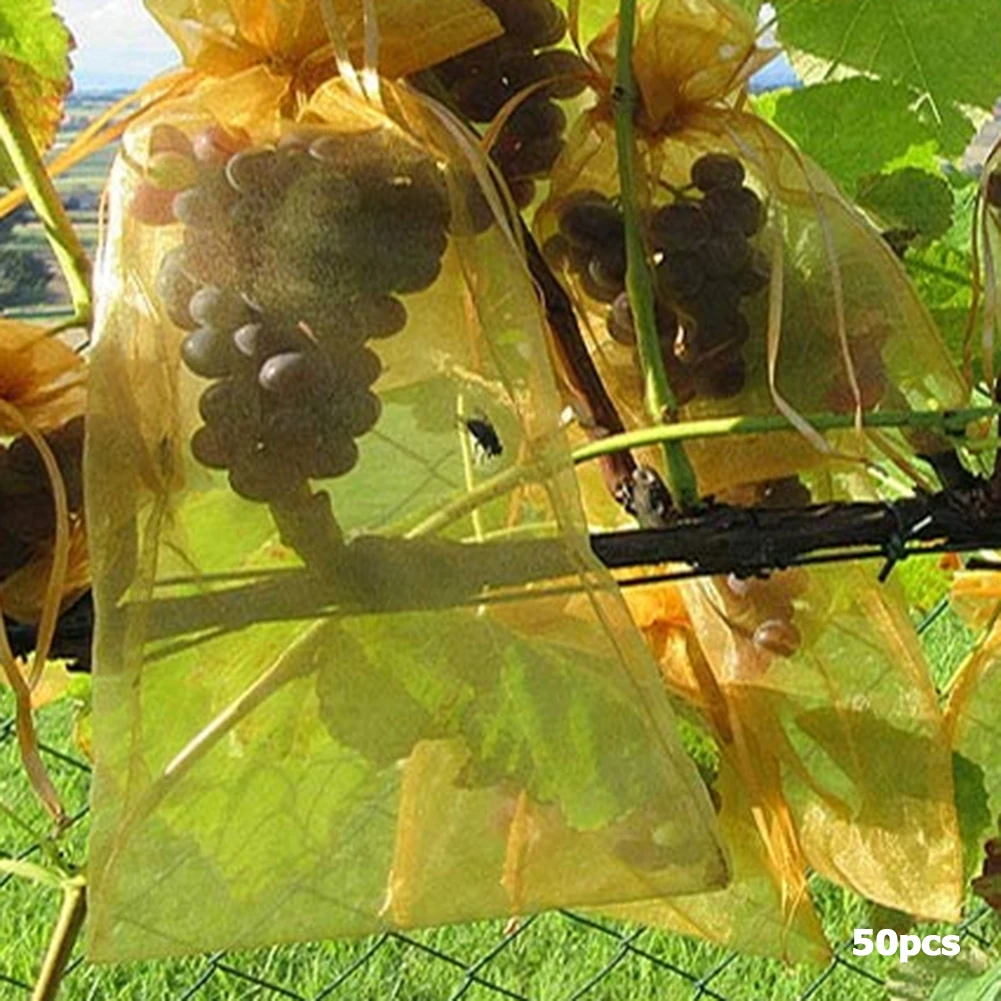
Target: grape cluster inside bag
{"type": "Point", "coordinates": [331, 497]}
{"type": "Point", "coordinates": [774, 295]}
{"type": "Point", "coordinates": [834, 756]}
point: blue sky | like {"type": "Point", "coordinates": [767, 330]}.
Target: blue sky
{"type": "Point", "coordinates": [120, 45]}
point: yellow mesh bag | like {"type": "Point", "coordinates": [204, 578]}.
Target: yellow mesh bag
{"type": "Point", "coordinates": [972, 710]}
{"type": "Point", "coordinates": [773, 293]}
{"type": "Point", "coordinates": [833, 752]}
{"type": "Point", "coordinates": [320, 707]}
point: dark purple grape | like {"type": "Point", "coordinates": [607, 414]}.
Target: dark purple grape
{"type": "Point", "coordinates": [359, 413]}
{"type": "Point", "coordinates": [219, 402]}
{"type": "Point", "coordinates": [174, 288]}
{"type": "Point", "coordinates": [480, 98]}
{"type": "Point", "coordinates": [722, 377]}
{"type": "Point", "coordinates": [778, 636]}
{"type": "Point", "coordinates": [357, 370]}
{"type": "Point", "coordinates": [359, 320]}
{"type": "Point", "coordinates": [717, 170]}
{"type": "Point", "coordinates": [620, 321]}
{"type": "Point", "coordinates": [253, 171]}
{"type": "Point", "coordinates": [680, 276]}
{"type": "Point", "coordinates": [522, 191]}
{"type": "Point", "coordinates": [262, 476]}
{"type": "Point", "coordinates": [606, 275]}
{"type": "Point", "coordinates": [681, 226]}
{"type": "Point", "coordinates": [737, 209]}
{"type": "Point", "coordinates": [207, 352]}
{"type": "Point", "coordinates": [221, 309]}
{"type": "Point", "coordinates": [755, 276]}
{"type": "Point", "coordinates": [536, 118]}
{"type": "Point", "coordinates": [725, 255]}
{"type": "Point", "coordinates": [210, 448]}
{"type": "Point", "coordinates": [567, 72]}
{"type": "Point", "coordinates": [532, 158]}
{"type": "Point", "coordinates": [290, 373]}
{"type": "Point", "coordinates": [535, 23]}
{"type": "Point", "coordinates": [335, 459]}
{"type": "Point", "coordinates": [251, 341]}
{"type": "Point", "coordinates": [588, 219]}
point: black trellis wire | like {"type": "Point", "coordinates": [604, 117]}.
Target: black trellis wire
{"type": "Point", "coordinates": [234, 975]}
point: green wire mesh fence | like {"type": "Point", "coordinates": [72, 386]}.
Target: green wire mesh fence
{"type": "Point", "coordinates": [562, 956]}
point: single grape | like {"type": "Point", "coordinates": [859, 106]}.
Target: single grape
{"type": "Point", "coordinates": [359, 413]}
{"type": "Point", "coordinates": [356, 370]}
{"type": "Point", "coordinates": [722, 377]}
{"type": "Point", "coordinates": [609, 279]}
{"type": "Point", "coordinates": [200, 208]}
{"type": "Point", "coordinates": [536, 118]}
{"type": "Point", "coordinates": [151, 205]}
{"type": "Point", "coordinates": [289, 373]}
{"type": "Point", "coordinates": [556, 251]}
{"type": "Point", "coordinates": [207, 352]}
{"type": "Point", "coordinates": [253, 171]}
{"type": "Point", "coordinates": [681, 226]}
{"type": "Point", "coordinates": [209, 257]}
{"type": "Point", "coordinates": [680, 275]}
{"type": "Point", "coordinates": [588, 219]}
{"type": "Point", "coordinates": [335, 458]}
{"type": "Point", "coordinates": [717, 170]}
{"type": "Point", "coordinates": [210, 448]}
{"type": "Point", "coordinates": [14, 553]}
{"type": "Point", "coordinates": [726, 254]}
{"type": "Point", "coordinates": [566, 72]}
{"type": "Point", "coordinates": [262, 476]}
{"type": "Point", "coordinates": [535, 23]}
{"type": "Point", "coordinates": [252, 342]}
{"type": "Point", "coordinates": [174, 289]}
{"type": "Point", "coordinates": [215, 145]}
{"type": "Point", "coordinates": [522, 191]}
{"type": "Point", "coordinates": [171, 171]}
{"type": "Point", "coordinates": [755, 276]}
{"type": "Point", "coordinates": [480, 98]}
{"type": "Point", "coordinates": [169, 139]}
{"type": "Point", "coordinates": [737, 209]}
{"type": "Point", "coordinates": [219, 402]}
{"type": "Point", "coordinates": [532, 159]}
{"type": "Point", "coordinates": [777, 636]}
{"type": "Point", "coordinates": [620, 321]}
{"type": "Point", "coordinates": [220, 308]}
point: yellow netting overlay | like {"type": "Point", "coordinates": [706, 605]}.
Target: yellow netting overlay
{"type": "Point", "coordinates": [396, 745]}
{"type": "Point", "coordinates": [834, 756]}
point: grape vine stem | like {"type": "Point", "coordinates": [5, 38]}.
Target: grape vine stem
{"type": "Point", "coordinates": [950, 422]}
{"type": "Point", "coordinates": [66, 245]}
{"type": "Point", "coordinates": [661, 404]}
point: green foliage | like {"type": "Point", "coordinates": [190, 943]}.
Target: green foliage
{"type": "Point", "coordinates": [855, 127]}
{"type": "Point", "coordinates": [972, 808]}
{"type": "Point", "coordinates": [34, 56]}
{"type": "Point", "coordinates": [24, 277]}
{"type": "Point", "coordinates": [946, 55]}
{"type": "Point", "coordinates": [909, 199]}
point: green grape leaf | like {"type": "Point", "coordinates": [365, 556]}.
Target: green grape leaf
{"type": "Point", "coordinates": [909, 199]}
{"type": "Point", "coordinates": [972, 808]}
{"type": "Point", "coordinates": [946, 56]}
{"type": "Point", "coordinates": [855, 127]}
{"type": "Point", "coordinates": [34, 56]}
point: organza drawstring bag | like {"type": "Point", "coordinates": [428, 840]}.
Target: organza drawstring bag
{"type": "Point", "coordinates": [774, 295]}
{"type": "Point", "coordinates": [330, 489]}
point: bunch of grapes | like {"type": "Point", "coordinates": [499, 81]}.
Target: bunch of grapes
{"type": "Point", "coordinates": [293, 258]}
{"type": "Point", "coordinates": [481, 81]}
{"type": "Point", "coordinates": [27, 512]}
{"type": "Point", "coordinates": [704, 262]}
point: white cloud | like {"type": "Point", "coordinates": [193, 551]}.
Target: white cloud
{"type": "Point", "coordinates": [118, 42]}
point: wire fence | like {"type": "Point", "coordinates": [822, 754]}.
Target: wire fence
{"type": "Point", "coordinates": [563, 956]}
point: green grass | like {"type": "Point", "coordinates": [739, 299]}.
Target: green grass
{"type": "Point", "coordinates": [553, 957]}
